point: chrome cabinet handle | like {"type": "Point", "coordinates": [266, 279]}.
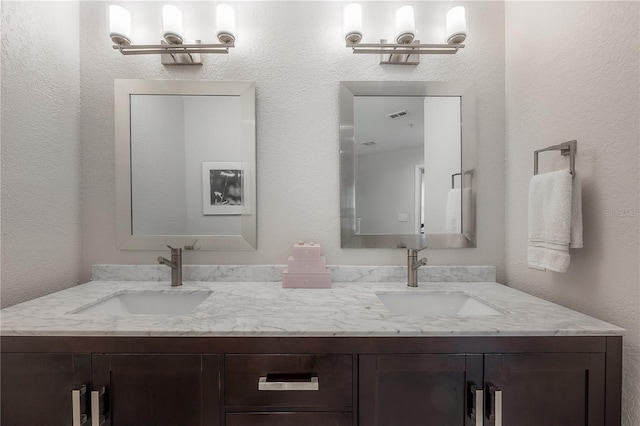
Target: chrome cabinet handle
{"type": "Point", "coordinates": [97, 418]}
{"type": "Point", "coordinates": [478, 402]}
{"type": "Point", "coordinates": [495, 408]}
{"type": "Point", "coordinates": [476, 408]}
{"type": "Point", "coordinates": [78, 417]}
{"type": "Point", "coordinates": [310, 384]}
{"type": "Point", "coordinates": [498, 397]}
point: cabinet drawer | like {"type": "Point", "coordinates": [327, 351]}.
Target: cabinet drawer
{"type": "Point", "coordinates": [289, 419]}
{"type": "Point", "coordinates": [322, 382]}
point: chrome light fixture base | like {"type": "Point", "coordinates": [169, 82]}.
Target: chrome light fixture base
{"type": "Point", "coordinates": [393, 58]}
{"type": "Point", "coordinates": [404, 54]}
{"type": "Point", "coordinates": [187, 58]}
{"type": "Point", "coordinates": [175, 54]}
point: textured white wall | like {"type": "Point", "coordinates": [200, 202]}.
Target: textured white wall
{"type": "Point", "coordinates": [572, 72]}
{"type": "Point", "coordinates": [295, 53]}
{"type": "Point", "coordinates": [40, 149]}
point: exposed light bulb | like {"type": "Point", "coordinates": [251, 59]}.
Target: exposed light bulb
{"type": "Point", "coordinates": [352, 23]}
{"type": "Point", "coordinates": [119, 25]}
{"type": "Point", "coordinates": [456, 25]}
{"type": "Point", "coordinates": [172, 30]}
{"type": "Point", "coordinates": [226, 23]}
{"type": "Point", "coordinates": [405, 25]}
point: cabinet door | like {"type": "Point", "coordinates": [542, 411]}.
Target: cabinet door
{"type": "Point", "coordinates": [159, 390]}
{"type": "Point", "coordinates": [37, 388]}
{"type": "Point", "coordinates": [559, 389]}
{"type": "Point", "coordinates": [418, 390]}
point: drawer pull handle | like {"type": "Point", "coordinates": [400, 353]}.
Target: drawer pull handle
{"type": "Point", "coordinates": [277, 382]}
{"type": "Point", "coordinates": [98, 418]}
{"type": "Point", "coordinates": [476, 401]}
{"type": "Point", "coordinates": [77, 405]}
{"type": "Point", "coordinates": [495, 405]}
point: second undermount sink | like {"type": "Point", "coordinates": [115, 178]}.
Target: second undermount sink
{"type": "Point", "coordinates": [434, 303]}
{"type": "Point", "coordinates": [147, 303]}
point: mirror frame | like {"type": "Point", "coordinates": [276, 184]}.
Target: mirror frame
{"type": "Point", "coordinates": [125, 238]}
{"type": "Point", "coordinates": [466, 92]}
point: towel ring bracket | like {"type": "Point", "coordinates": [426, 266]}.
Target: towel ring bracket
{"type": "Point", "coordinates": [565, 148]}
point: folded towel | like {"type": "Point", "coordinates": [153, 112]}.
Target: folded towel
{"type": "Point", "coordinates": [576, 213]}
{"type": "Point", "coordinates": [555, 220]}
{"type": "Point", "coordinates": [453, 212]}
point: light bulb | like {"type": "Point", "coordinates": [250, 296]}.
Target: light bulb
{"type": "Point", "coordinates": [352, 23]}
{"type": "Point", "coordinates": [405, 25]}
{"type": "Point", "coordinates": [226, 24]}
{"type": "Point", "coordinates": [172, 30]}
{"type": "Point", "coordinates": [119, 25]}
{"type": "Point", "coordinates": [456, 25]}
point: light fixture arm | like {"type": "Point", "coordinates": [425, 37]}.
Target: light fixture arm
{"type": "Point", "coordinates": [404, 49]}
{"type": "Point", "coordinates": [166, 49]}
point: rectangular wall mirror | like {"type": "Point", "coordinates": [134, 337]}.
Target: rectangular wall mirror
{"type": "Point", "coordinates": [407, 159]}
{"type": "Point", "coordinates": [185, 164]}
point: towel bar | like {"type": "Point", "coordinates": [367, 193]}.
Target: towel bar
{"type": "Point", "coordinates": [453, 185]}
{"type": "Point", "coordinates": [566, 148]}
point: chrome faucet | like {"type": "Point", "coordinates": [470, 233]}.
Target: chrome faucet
{"type": "Point", "coordinates": [175, 264]}
{"type": "Point", "coordinates": [412, 266]}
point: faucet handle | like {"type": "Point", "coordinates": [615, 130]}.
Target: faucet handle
{"type": "Point", "coordinates": [175, 251]}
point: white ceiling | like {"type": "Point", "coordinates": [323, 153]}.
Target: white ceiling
{"type": "Point", "coordinates": [372, 124]}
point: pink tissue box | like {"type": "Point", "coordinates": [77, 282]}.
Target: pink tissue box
{"type": "Point", "coordinates": [306, 251]}
{"type": "Point", "coordinates": [307, 266]}
{"type": "Point", "coordinates": [317, 280]}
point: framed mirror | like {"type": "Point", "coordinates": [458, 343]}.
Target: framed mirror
{"type": "Point", "coordinates": [407, 161]}
{"type": "Point", "coordinates": [185, 164]}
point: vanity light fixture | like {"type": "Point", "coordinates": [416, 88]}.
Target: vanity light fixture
{"type": "Point", "coordinates": [174, 47]}
{"type": "Point", "coordinates": [405, 25]}
{"type": "Point", "coordinates": [405, 49]}
{"type": "Point", "coordinates": [456, 25]}
{"type": "Point", "coordinates": [172, 29]}
{"type": "Point", "coordinates": [119, 25]}
{"type": "Point", "coordinates": [226, 23]}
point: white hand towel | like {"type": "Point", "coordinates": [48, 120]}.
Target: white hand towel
{"type": "Point", "coordinates": [453, 212]}
{"type": "Point", "coordinates": [576, 213]}
{"type": "Point", "coordinates": [555, 220]}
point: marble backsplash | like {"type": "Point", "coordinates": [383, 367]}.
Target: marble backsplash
{"type": "Point", "coordinates": [273, 273]}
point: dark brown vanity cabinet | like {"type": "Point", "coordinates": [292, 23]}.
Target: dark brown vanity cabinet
{"type": "Point", "coordinates": [561, 389]}
{"type": "Point", "coordinates": [158, 389]}
{"type": "Point", "coordinates": [521, 389]}
{"type": "Point", "coordinates": [417, 389]}
{"type": "Point", "coordinates": [42, 388]}
{"type": "Point", "coordinates": [289, 389]}
{"type": "Point", "coordinates": [312, 381]}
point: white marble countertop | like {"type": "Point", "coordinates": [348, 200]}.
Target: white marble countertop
{"type": "Point", "coordinates": [266, 309]}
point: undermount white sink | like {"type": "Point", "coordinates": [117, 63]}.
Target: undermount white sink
{"type": "Point", "coordinates": [147, 303]}
{"type": "Point", "coordinates": [445, 303]}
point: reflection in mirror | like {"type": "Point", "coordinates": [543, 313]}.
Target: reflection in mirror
{"type": "Point", "coordinates": [171, 137]}
{"type": "Point", "coordinates": [186, 164]}
{"type": "Point", "coordinates": [401, 142]}
{"type": "Point", "coordinates": [407, 154]}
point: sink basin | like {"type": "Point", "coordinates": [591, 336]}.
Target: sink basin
{"type": "Point", "coordinates": [449, 303]}
{"type": "Point", "coordinates": [147, 303]}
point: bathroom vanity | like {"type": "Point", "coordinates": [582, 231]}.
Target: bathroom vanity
{"type": "Point", "coordinates": [253, 354]}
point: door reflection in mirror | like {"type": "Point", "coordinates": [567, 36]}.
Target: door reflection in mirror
{"type": "Point", "coordinates": [406, 150]}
